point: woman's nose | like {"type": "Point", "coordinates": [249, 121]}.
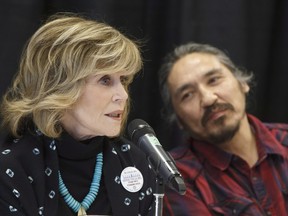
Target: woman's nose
{"type": "Point", "coordinates": [120, 93]}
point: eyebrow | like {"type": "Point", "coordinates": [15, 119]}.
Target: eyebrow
{"type": "Point", "coordinates": [183, 88]}
{"type": "Point", "coordinates": [212, 72]}
{"type": "Point", "coordinates": [192, 85]}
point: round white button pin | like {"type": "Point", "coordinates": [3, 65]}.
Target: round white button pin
{"type": "Point", "coordinates": [131, 179]}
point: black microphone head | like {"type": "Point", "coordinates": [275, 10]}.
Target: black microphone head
{"type": "Point", "coordinates": [138, 128]}
{"type": "Point", "coordinates": [162, 163]}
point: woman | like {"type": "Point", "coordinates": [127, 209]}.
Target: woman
{"type": "Point", "coordinates": [65, 113]}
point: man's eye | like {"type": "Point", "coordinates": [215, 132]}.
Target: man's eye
{"type": "Point", "coordinates": [213, 80]}
{"type": "Point", "coordinates": [186, 96]}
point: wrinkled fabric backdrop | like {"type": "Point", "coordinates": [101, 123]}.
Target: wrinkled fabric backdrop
{"type": "Point", "coordinates": [254, 34]}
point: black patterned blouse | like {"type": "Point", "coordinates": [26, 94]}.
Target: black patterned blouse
{"type": "Point", "coordinates": [29, 176]}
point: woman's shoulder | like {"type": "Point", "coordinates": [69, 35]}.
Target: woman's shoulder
{"type": "Point", "coordinates": [26, 166]}
{"type": "Point", "coordinates": [25, 150]}
{"type": "Point", "coordinates": [20, 145]}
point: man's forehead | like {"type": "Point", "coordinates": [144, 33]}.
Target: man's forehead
{"type": "Point", "coordinates": [195, 63]}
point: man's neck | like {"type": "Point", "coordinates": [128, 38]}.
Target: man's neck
{"type": "Point", "coordinates": [243, 144]}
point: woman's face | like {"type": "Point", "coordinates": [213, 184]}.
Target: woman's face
{"type": "Point", "coordinates": [99, 110]}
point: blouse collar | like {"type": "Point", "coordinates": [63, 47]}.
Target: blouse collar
{"type": "Point", "coordinates": [70, 148]}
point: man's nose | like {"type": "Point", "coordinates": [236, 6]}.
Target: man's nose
{"type": "Point", "coordinates": [208, 97]}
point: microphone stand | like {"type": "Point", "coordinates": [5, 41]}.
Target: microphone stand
{"type": "Point", "coordinates": [175, 183]}
{"type": "Point", "coordinates": [159, 194]}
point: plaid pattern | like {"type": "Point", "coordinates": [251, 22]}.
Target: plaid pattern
{"type": "Point", "coordinates": [219, 183]}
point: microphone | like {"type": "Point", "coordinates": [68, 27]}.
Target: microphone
{"type": "Point", "coordinates": [161, 161]}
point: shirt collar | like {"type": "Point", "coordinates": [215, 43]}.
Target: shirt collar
{"type": "Point", "coordinates": [266, 141]}
{"type": "Point", "coordinates": [266, 144]}
{"type": "Point", "coordinates": [210, 153]}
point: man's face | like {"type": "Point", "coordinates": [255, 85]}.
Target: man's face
{"type": "Point", "coordinates": [208, 100]}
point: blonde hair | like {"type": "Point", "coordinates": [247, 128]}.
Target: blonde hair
{"type": "Point", "coordinates": [54, 65]}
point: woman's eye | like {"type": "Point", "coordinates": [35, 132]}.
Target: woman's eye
{"type": "Point", "coordinates": [105, 80]}
{"type": "Point", "coordinates": [124, 80]}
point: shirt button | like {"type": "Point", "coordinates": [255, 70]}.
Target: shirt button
{"type": "Point", "coordinates": [268, 213]}
{"type": "Point", "coordinates": [254, 178]}
{"type": "Point", "coordinates": [234, 211]}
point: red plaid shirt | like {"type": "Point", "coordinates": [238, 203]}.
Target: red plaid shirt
{"type": "Point", "coordinates": [219, 183]}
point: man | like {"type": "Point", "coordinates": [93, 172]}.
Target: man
{"type": "Point", "coordinates": [233, 164]}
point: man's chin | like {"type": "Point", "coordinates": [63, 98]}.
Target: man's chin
{"type": "Point", "coordinates": [223, 134]}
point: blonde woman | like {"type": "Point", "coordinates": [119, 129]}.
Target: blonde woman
{"type": "Point", "coordinates": [65, 112]}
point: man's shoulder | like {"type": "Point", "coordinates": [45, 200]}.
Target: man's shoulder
{"type": "Point", "coordinates": [277, 126]}
{"type": "Point", "coordinates": [186, 161]}
{"type": "Point", "coordinates": [279, 131]}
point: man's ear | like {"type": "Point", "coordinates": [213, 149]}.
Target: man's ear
{"type": "Point", "coordinates": [245, 87]}
{"type": "Point", "coordinates": [179, 124]}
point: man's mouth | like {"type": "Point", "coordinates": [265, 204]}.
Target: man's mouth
{"type": "Point", "coordinates": [214, 112]}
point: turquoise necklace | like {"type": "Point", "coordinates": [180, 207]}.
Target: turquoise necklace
{"type": "Point", "coordinates": [82, 207]}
